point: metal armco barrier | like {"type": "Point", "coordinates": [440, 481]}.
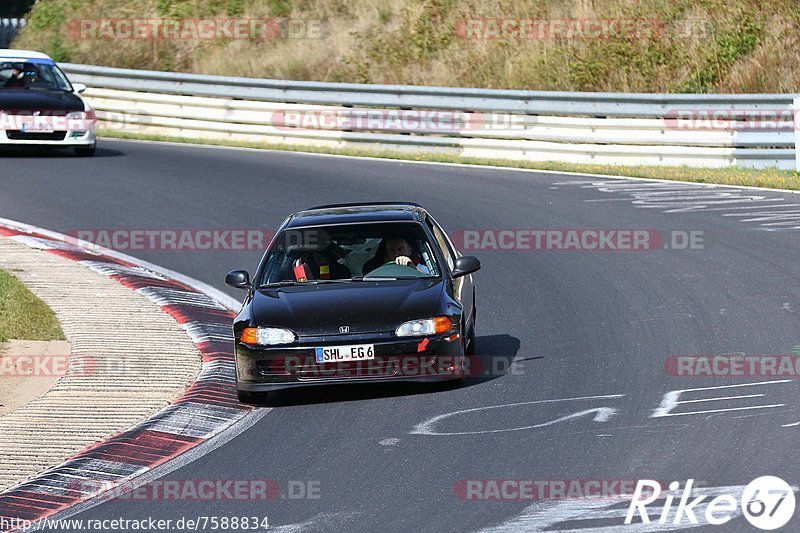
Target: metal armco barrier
{"type": "Point", "coordinates": [8, 30]}
{"type": "Point", "coordinates": [701, 130]}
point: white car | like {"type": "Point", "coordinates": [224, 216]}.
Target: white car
{"type": "Point", "coordinates": [40, 107]}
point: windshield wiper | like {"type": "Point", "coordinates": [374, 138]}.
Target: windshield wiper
{"type": "Point", "coordinates": [309, 282]}
{"type": "Point", "coordinates": [344, 280]}
{"type": "Point", "coordinates": [279, 284]}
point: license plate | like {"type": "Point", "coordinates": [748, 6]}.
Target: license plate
{"type": "Point", "coordinates": [355, 352]}
{"type": "Point", "coordinates": [37, 127]}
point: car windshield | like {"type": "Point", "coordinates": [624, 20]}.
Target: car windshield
{"type": "Point", "coordinates": [19, 74]}
{"type": "Point", "coordinates": [350, 252]}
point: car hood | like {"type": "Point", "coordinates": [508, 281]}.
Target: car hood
{"type": "Point", "coordinates": [37, 99]}
{"type": "Point", "coordinates": [366, 307]}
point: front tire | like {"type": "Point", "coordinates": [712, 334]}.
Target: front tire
{"type": "Point", "coordinates": [254, 398]}
{"type": "Point", "coordinates": [85, 151]}
{"type": "Point", "coordinates": [469, 349]}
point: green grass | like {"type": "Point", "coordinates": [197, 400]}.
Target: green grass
{"type": "Point", "coordinates": [23, 315]}
{"type": "Point", "coordinates": [771, 178]}
{"type": "Point", "coordinates": [744, 46]}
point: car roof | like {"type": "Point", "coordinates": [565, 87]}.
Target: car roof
{"type": "Point", "coordinates": [357, 212]}
{"type": "Point", "coordinates": [7, 53]}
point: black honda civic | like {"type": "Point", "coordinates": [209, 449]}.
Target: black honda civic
{"type": "Point", "coordinates": [355, 293]}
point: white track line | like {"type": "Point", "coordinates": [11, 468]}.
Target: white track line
{"type": "Point", "coordinates": [458, 165]}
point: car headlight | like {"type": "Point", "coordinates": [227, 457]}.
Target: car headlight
{"type": "Point", "coordinates": [266, 336]}
{"type": "Point", "coordinates": [90, 116]}
{"type": "Point", "coordinates": [425, 326]}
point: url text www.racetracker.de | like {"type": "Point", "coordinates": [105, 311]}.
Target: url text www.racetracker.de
{"type": "Point", "coordinates": [198, 523]}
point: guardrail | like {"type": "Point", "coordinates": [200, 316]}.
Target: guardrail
{"type": "Point", "coordinates": [713, 130]}
{"type": "Point", "coordinates": [8, 30]}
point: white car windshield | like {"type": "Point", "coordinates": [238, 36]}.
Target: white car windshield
{"type": "Point", "coordinates": [16, 74]}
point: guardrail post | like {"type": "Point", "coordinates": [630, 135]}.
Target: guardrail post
{"type": "Point", "coordinates": [8, 30]}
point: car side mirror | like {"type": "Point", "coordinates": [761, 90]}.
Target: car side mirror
{"type": "Point", "coordinates": [466, 265]}
{"type": "Point", "coordinates": [238, 279]}
{"type": "Point", "coordinates": [78, 87]}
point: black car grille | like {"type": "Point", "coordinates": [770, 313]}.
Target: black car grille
{"type": "Point", "coordinates": [17, 135]}
{"type": "Point", "coordinates": [350, 369]}
{"type": "Point", "coordinates": [381, 366]}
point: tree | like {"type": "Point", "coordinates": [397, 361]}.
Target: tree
{"type": "Point", "coordinates": [15, 8]}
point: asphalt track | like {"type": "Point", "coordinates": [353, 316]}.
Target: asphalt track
{"type": "Point", "coordinates": [591, 329]}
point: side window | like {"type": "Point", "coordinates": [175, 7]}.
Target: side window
{"type": "Point", "coordinates": [443, 242]}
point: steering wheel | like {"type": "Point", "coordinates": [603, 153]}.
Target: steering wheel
{"type": "Point", "coordinates": [392, 269]}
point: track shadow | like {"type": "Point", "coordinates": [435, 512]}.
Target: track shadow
{"type": "Point", "coordinates": [496, 353]}
{"type": "Point", "coordinates": [54, 153]}
{"type": "Point", "coordinates": [494, 358]}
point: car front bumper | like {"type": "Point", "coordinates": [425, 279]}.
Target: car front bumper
{"type": "Point", "coordinates": [261, 369]}
{"type": "Point", "coordinates": [58, 139]}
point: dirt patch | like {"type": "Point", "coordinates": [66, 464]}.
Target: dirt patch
{"type": "Point", "coordinates": [28, 369]}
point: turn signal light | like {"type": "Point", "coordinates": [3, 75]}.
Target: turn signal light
{"type": "Point", "coordinates": [442, 324]}
{"type": "Point", "coordinates": [249, 335]}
